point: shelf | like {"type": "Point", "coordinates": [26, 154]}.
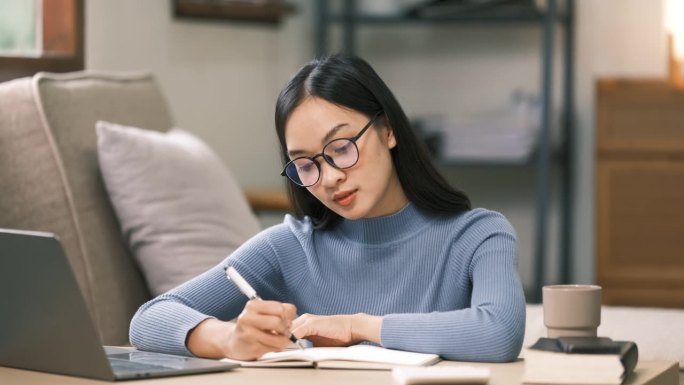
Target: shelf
{"type": "Point", "coordinates": [519, 159]}
{"type": "Point", "coordinates": [268, 11]}
{"type": "Point", "coordinates": [529, 17]}
{"type": "Point", "coordinates": [558, 155]}
{"type": "Point", "coordinates": [525, 13]}
{"type": "Point", "coordinates": [485, 162]}
{"type": "Point", "coordinates": [544, 155]}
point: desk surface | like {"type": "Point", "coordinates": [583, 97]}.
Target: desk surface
{"type": "Point", "coordinates": [646, 372]}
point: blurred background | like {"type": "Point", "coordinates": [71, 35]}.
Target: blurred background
{"type": "Point", "coordinates": [506, 93]}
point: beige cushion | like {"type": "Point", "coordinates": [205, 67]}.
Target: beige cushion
{"type": "Point", "coordinates": [181, 210]}
{"type": "Point", "coordinates": [50, 180]}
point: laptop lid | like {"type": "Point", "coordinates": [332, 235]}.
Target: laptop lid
{"type": "Point", "coordinates": [46, 325]}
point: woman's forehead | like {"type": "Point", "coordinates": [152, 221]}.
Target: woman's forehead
{"type": "Point", "coordinates": [315, 110]}
{"type": "Point", "coordinates": [314, 118]}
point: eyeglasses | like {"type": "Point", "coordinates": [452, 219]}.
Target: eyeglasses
{"type": "Point", "coordinates": [340, 153]}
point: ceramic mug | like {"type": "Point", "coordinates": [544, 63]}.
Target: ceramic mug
{"type": "Point", "coordinates": [571, 310]}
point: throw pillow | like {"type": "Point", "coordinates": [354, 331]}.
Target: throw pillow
{"type": "Point", "coordinates": [180, 209]}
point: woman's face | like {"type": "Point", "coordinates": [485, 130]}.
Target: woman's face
{"type": "Point", "coordinates": [370, 188]}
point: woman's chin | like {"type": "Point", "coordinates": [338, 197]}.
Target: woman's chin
{"type": "Point", "coordinates": [350, 213]}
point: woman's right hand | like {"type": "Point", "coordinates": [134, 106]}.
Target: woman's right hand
{"type": "Point", "coordinates": [263, 326]}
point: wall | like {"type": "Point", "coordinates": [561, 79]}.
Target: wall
{"type": "Point", "coordinates": [222, 80]}
{"type": "Point", "coordinates": [616, 38]}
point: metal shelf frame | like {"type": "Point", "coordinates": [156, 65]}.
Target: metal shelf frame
{"type": "Point", "coordinates": [350, 20]}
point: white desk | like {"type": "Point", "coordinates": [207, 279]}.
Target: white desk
{"type": "Point", "coordinates": [646, 372]}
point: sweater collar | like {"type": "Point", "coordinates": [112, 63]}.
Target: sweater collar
{"type": "Point", "coordinates": [402, 224]}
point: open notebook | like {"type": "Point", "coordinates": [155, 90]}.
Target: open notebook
{"type": "Point", "coordinates": [353, 357]}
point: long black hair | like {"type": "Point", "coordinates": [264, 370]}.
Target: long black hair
{"type": "Point", "coordinates": [350, 82]}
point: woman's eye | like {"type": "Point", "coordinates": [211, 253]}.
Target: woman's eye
{"type": "Point", "coordinates": [305, 168]}
{"type": "Point", "coordinates": [343, 149]}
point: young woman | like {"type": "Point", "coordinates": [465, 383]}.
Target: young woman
{"type": "Point", "coordinates": [381, 249]}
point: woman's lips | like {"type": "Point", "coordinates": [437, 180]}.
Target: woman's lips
{"type": "Point", "coordinates": [345, 198]}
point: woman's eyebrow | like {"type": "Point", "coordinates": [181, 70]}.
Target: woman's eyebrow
{"type": "Point", "coordinates": [328, 136]}
{"type": "Point", "coordinates": [332, 133]}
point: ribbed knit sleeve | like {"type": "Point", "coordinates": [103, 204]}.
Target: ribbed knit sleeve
{"type": "Point", "coordinates": [493, 327]}
{"type": "Point", "coordinates": [162, 324]}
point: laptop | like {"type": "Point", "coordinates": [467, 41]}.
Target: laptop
{"type": "Point", "coordinates": [46, 326]}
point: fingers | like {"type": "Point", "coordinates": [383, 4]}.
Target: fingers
{"type": "Point", "coordinates": [308, 325]}
{"type": "Point", "coordinates": [285, 310]}
{"type": "Point", "coordinates": [324, 330]}
{"type": "Point", "coordinates": [249, 343]}
{"type": "Point", "coordinates": [270, 323]}
{"type": "Point", "coordinates": [267, 340]}
{"type": "Point", "coordinates": [289, 311]}
{"type": "Point", "coordinates": [299, 325]}
{"type": "Point", "coordinates": [263, 326]}
{"type": "Point", "coordinates": [270, 315]}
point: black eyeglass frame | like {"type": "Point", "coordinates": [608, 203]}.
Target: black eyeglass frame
{"type": "Point", "coordinates": [328, 159]}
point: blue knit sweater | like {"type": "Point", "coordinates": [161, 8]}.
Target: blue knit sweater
{"type": "Point", "coordinates": [446, 285]}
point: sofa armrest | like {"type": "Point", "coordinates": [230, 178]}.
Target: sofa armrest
{"type": "Point", "coordinates": [268, 200]}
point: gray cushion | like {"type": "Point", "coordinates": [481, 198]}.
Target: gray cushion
{"type": "Point", "coordinates": [181, 210]}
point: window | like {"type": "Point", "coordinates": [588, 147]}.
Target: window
{"type": "Point", "coordinates": [40, 35]}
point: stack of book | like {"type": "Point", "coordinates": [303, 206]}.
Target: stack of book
{"type": "Point", "coordinates": [579, 360]}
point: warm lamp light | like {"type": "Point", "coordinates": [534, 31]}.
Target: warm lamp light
{"type": "Point", "coordinates": [675, 30]}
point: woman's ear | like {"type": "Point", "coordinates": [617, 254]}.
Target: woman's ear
{"type": "Point", "coordinates": [391, 139]}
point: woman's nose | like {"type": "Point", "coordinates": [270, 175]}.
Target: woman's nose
{"type": "Point", "coordinates": [331, 176]}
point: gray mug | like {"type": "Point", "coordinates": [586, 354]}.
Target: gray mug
{"type": "Point", "coordinates": [571, 310]}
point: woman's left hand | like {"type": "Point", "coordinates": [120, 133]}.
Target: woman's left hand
{"type": "Point", "coordinates": [337, 330]}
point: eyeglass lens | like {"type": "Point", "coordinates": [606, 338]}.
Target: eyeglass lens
{"type": "Point", "coordinates": [339, 153]}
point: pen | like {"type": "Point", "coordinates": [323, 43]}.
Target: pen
{"type": "Point", "coordinates": [247, 290]}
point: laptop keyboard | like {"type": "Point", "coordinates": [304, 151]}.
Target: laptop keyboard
{"type": "Point", "coordinates": [126, 366]}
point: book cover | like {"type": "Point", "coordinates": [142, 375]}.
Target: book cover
{"type": "Point", "coordinates": [353, 357]}
{"type": "Point", "coordinates": [579, 360]}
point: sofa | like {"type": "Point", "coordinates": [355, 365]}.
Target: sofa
{"type": "Point", "coordinates": [50, 181]}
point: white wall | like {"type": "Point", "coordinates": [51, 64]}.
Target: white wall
{"type": "Point", "coordinates": [615, 38]}
{"type": "Point", "coordinates": [222, 79]}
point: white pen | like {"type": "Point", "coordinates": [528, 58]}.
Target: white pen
{"type": "Point", "coordinates": [249, 291]}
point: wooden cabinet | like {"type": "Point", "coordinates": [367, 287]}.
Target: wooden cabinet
{"type": "Point", "coordinates": [640, 193]}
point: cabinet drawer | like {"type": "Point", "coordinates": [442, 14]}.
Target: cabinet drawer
{"type": "Point", "coordinates": [637, 295]}
{"type": "Point", "coordinates": [639, 116]}
{"type": "Point", "coordinates": [640, 222]}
